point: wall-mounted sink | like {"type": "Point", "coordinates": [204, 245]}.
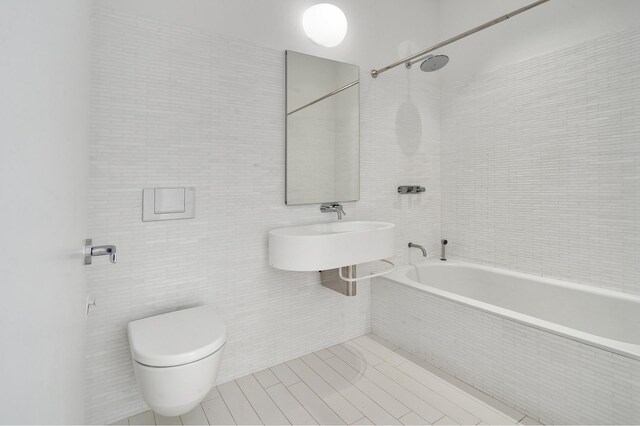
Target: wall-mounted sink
{"type": "Point", "coordinates": [324, 246]}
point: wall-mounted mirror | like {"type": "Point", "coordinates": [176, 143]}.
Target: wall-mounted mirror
{"type": "Point", "coordinates": [323, 130]}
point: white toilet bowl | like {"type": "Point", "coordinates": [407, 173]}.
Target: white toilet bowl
{"type": "Point", "coordinates": [176, 357]}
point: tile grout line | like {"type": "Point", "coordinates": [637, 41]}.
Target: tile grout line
{"type": "Point", "coordinates": [227, 406]}
{"type": "Point", "coordinates": [203, 411]}
{"type": "Point", "coordinates": [315, 393]}
{"type": "Point", "coordinates": [365, 363]}
{"type": "Point", "coordinates": [391, 379]}
{"type": "Point", "coordinates": [302, 381]}
{"type": "Point", "coordinates": [294, 397]}
{"type": "Point", "coordinates": [443, 381]}
{"type": "Point", "coordinates": [423, 384]}
{"type": "Point", "coordinates": [349, 381]}
{"type": "Point", "coordinates": [249, 401]}
{"type": "Point", "coordinates": [443, 416]}
{"type": "Point", "coordinates": [453, 384]}
{"type": "Point", "coordinates": [274, 403]}
{"type": "Point", "coordinates": [303, 361]}
{"type": "Point", "coordinates": [363, 348]}
{"type": "Point", "coordinates": [285, 364]}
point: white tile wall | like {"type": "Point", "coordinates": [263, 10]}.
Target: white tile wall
{"type": "Point", "coordinates": [538, 171]}
{"type": "Point", "coordinates": [540, 164]}
{"type": "Point", "coordinates": [549, 377]}
{"type": "Point", "coordinates": [172, 106]}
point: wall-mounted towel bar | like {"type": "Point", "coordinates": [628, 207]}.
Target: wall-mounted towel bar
{"type": "Point", "coordinates": [355, 279]}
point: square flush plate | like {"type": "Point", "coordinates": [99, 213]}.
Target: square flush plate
{"type": "Point", "coordinates": [168, 204]}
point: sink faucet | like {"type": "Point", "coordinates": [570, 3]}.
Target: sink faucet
{"type": "Point", "coordinates": [333, 208]}
{"type": "Point", "coordinates": [424, 252]}
{"type": "Point", "coordinates": [443, 256]}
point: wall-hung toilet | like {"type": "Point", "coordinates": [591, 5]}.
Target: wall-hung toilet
{"type": "Point", "coordinates": [176, 357]}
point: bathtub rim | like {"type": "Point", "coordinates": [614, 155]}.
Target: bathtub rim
{"type": "Point", "coordinates": [627, 350]}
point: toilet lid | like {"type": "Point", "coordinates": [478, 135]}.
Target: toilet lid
{"type": "Point", "coordinates": [176, 338]}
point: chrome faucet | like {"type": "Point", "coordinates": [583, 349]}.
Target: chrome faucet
{"type": "Point", "coordinates": [443, 256]}
{"type": "Point", "coordinates": [424, 252]}
{"type": "Point", "coordinates": [333, 208]}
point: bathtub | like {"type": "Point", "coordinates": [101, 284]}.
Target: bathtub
{"type": "Point", "coordinates": [561, 352]}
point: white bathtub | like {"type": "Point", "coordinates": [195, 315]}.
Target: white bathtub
{"type": "Point", "coordinates": [561, 352]}
{"type": "Point", "coordinates": [602, 318]}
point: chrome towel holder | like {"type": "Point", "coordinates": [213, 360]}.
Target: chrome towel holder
{"type": "Point", "coordinates": [355, 279]}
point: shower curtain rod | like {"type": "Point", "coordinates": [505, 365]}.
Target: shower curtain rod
{"type": "Point", "coordinates": [376, 73]}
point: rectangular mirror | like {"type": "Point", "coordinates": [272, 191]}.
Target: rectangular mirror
{"type": "Point", "coordinates": [323, 130]}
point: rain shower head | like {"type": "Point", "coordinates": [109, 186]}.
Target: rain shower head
{"type": "Point", "coordinates": [430, 62]}
{"type": "Point", "coordinates": [434, 63]}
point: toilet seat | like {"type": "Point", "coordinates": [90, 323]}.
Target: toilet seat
{"type": "Point", "coordinates": [176, 338]}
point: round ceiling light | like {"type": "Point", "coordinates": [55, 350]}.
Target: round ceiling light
{"type": "Point", "coordinates": [325, 24]}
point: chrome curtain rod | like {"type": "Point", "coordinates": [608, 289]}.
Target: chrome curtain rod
{"type": "Point", "coordinates": [376, 73]}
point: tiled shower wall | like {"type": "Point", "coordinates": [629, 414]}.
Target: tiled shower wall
{"type": "Point", "coordinates": [540, 165]}
{"type": "Point", "coordinates": [172, 106]}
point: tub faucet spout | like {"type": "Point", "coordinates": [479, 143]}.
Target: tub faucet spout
{"type": "Point", "coordinates": [424, 252]}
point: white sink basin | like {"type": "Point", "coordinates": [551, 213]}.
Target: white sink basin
{"type": "Point", "coordinates": [324, 246]}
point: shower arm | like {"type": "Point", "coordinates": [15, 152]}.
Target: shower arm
{"type": "Point", "coordinates": [409, 63]}
{"type": "Point", "coordinates": [375, 73]}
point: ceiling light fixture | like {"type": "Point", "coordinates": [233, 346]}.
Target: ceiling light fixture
{"type": "Point", "coordinates": [325, 24]}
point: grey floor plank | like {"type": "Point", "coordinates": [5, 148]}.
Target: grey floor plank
{"type": "Point", "coordinates": [373, 391]}
{"type": "Point", "coordinates": [285, 375]}
{"type": "Point", "coordinates": [456, 395]}
{"type": "Point", "coordinates": [290, 406]}
{"type": "Point", "coordinates": [338, 403]}
{"type": "Point", "coordinates": [238, 404]}
{"type": "Point", "coordinates": [356, 359]}
{"type": "Point", "coordinates": [314, 405]}
{"type": "Point", "coordinates": [446, 421]}
{"type": "Point", "coordinates": [266, 378]}
{"type": "Point", "coordinates": [507, 410]}
{"type": "Point", "coordinates": [387, 344]}
{"type": "Point", "coordinates": [415, 404]}
{"type": "Point", "coordinates": [529, 421]}
{"type": "Point", "coordinates": [324, 354]}
{"type": "Point", "coordinates": [386, 354]}
{"type": "Point", "coordinates": [213, 393]}
{"type": "Point", "coordinates": [144, 418]}
{"type": "Point", "coordinates": [434, 399]}
{"type": "Point", "coordinates": [195, 417]}
{"type": "Point", "coordinates": [162, 420]}
{"type": "Point", "coordinates": [217, 412]}
{"type": "Point", "coordinates": [413, 419]}
{"type": "Point", "coordinates": [261, 402]}
{"type": "Point", "coordinates": [354, 395]}
{"type": "Point", "coordinates": [363, 354]}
